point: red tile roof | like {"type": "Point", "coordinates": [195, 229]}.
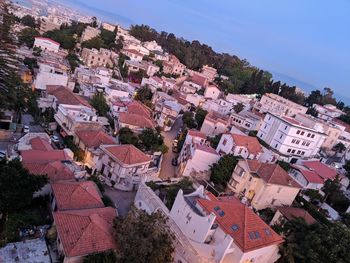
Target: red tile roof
{"type": "Point", "coordinates": [43, 156]}
{"type": "Point", "coordinates": [127, 154]}
{"type": "Point", "coordinates": [84, 232]}
{"type": "Point", "coordinates": [295, 212]}
{"type": "Point", "coordinates": [76, 195]}
{"type": "Point", "coordinates": [48, 39]}
{"type": "Point", "coordinates": [66, 96]}
{"type": "Point", "coordinates": [310, 176]}
{"type": "Point", "coordinates": [93, 139]}
{"type": "Point", "coordinates": [39, 143]}
{"type": "Point", "coordinates": [323, 170]}
{"type": "Point", "coordinates": [205, 148]}
{"type": "Point", "coordinates": [246, 228]}
{"type": "Point", "coordinates": [195, 133]}
{"type": "Point", "coordinates": [251, 143]}
{"type": "Point", "coordinates": [56, 171]}
{"type": "Point", "coordinates": [133, 51]}
{"type": "Point", "coordinates": [136, 120]}
{"type": "Point", "coordinates": [215, 118]}
{"type": "Point", "coordinates": [138, 108]}
{"type": "Point", "coordinates": [199, 79]}
{"type": "Point", "coordinates": [271, 173]}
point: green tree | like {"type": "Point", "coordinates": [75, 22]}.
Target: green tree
{"type": "Point", "coordinates": [73, 60]}
{"type": "Point", "coordinates": [221, 171]}
{"type": "Point", "coordinates": [31, 63]}
{"type": "Point", "coordinates": [27, 36]}
{"type": "Point", "coordinates": [339, 147]}
{"type": "Point", "coordinates": [108, 37]}
{"type": "Point", "coordinates": [95, 42]}
{"type": "Point", "coordinates": [238, 107]}
{"type": "Point", "coordinates": [144, 94]}
{"type": "Point", "coordinates": [103, 257]}
{"type": "Point", "coordinates": [312, 111]}
{"type": "Point", "coordinates": [188, 120]}
{"type": "Point", "coordinates": [29, 21]}
{"type": "Point", "coordinates": [64, 36]}
{"type": "Point", "coordinates": [127, 136]}
{"type": "Point", "coordinates": [99, 102]}
{"type": "Point", "coordinates": [214, 141]}
{"type": "Point", "coordinates": [148, 233]}
{"type": "Point", "coordinates": [335, 196]}
{"type": "Point", "coordinates": [200, 116]}
{"type": "Point", "coordinates": [347, 168]}
{"type": "Point", "coordinates": [14, 176]}
{"type": "Point", "coordinates": [151, 139]}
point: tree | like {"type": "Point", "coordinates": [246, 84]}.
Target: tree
{"type": "Point", "coordinates": [103, 257]}
{"type": "Point", "coordinates": [200, 116]}
{"type": "Point", "coordinates": [347, 168]}
{"type": "Point", "coordinates": [214, 141]}
{"type": "Point", "coordinates": [150, 139]}
{"type": "Point", "coordinates": [148, 233]}
{"type": "Point", "coordinates": [95, 42]}
{"type": "Point", "coordinates": [108, 38]}
{"type": "Point", "coordinates": [99, 102]}
{"type": "Point", "coordinates": [188, 119]}
{"type": "Point", "coordinates": [339, 147]}
{"type": "Point", "coordinates": [73, 60]}
{"type": "Point", "coordinates": [221, 171]}
{"type": "Point", "coordinates": [238, 107]}
{"type": "Point", "coordinates": [144, 94]}
{"type": "Point", "coordinates": [17, 186]}
{"type": "Point", "coordinates": [315, 97]}
{"type": "Point", "coordinates": [312, 111]}
{"type": "Point", "coordinates": [27, 36]}
{"type": "Point", "coordinates": [127, 136]}
{"type": "Point", "coordinates": [335, 196]}
{"type": "Point", "coordinates": [31, 63]}
{"type": "Point", "coordinates": [64, 36]}
{"type": "Point", "coordinates": [314, 243]}
{"type": "Point", "coordinates": [29, 21]}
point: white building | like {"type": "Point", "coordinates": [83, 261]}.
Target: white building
{"type": "Point", "coordinates": [212, 92]}
{"type": "Point", "coordinates": [133, 54]}
{"type": "Point", "coordinates": [152, 46]}
{"type": "Point", "coordinates": [246, 120]}
{"type": "Point", "coordinates": [50, 75]}
{"type": "Point", "coordinates": [224, 228]}
{"type": "Point", "coordinates": [214, 124]}
{"type": "Point", "coordinates": [46, 44]}
{"type": "Point", "coordinates": [327, 112]}
{"type": "Point", "coordinates": [289, 137]}
{"type": "Point", "coordinates": [123, 166]}
{"type": "Point", "coordinates": [220, 106]}
{"type": "Point", "coordinates": [278, 105]}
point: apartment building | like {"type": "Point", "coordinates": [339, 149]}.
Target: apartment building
{"type": "Point", "coordinates": [278, 105]}
{"type": "Point", "coordinates": [50, 74]}
{"type": "Point", "coordinates": [327, 112]}
{"type": "Point", "coordinates": [209, 72]}
{"type": "Point", "coordinates": [134, 66]}
{"type": "Point", "coordinates": [173, 66]}
{"type": "Point", "coordinates": [246, 120]}
{"type": "Point", "coordinates": [133, 54]}
{"type": "Point", "coordinates": [214, 124]}
{"type": "Point", "coordinates": [46, 44]}
{"type": "Point", "coordinates": [96, 58]}
{"type": "Point", "coordinates": [166, 109]}
{"type": "Point", "coordinates": [290, 137]}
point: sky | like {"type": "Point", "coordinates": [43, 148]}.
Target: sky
{"type": "Point", "coordinates": [302, 41]}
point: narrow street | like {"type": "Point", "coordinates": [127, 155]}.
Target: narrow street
{"type": "Point", "coordinates": [28, 120]}
{"type": "Point", "coordinates": [167, 169]}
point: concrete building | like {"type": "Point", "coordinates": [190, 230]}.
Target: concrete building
{"type": "Point", "coordinates": [214, 124]}
{"type": "Point", "coordinates": [123, 166]}
{"type": "Point", "coordinates": [133, 54]}
{"type": "Point", "coordinates": [224, 228]}
{"type": "Point", "coordinates": [289, 137]}
{"type": "Point", "coordinates": [109, 27]}
{"type": "Point", "coordinates": [212, 92]}
{"type": "Point", "coordinates": [166, 109]}
{"type": "Point", "coordinates": [46, 44]}
{"type": "Point", "coordinates": [49, 74]}
{"type": "Point", "coordinates": [49, 24]}
{"type": "Point", "coordinates": [278, 105]}
{"type": "Point", "coordinates": [327, 112]}
{"type": "Point", "coordinates": [152, 46]}
{"type": "Point", "coordinates": [263, 185]}
{"type": "Point", "coordinates": [89, 33]}
{"type": "Point", "coordinates": [134, 66]}
{"type": "Point", "coordinates": [209, 72]}
{"type": "Point", "coordinates": [246, 120]}
{"type": "Point", "coordinates": [96, 58]}
{"type": "Point", "coordinates": [173, 66]}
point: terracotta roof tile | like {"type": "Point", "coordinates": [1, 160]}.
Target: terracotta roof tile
{"type": "Point", "coordinates": [66, 96]}
{"type": "Point", "coordinates": [76, 195]}
{"type": "Point", "coordinates": [93, 139]}
{"type": "Point", "coordinates": [43, 156]}
{"type": "Point", "coordinates": [240, 222]}
{"type": "Point", "coordinates": [138, 108]}
{"type": "Point", "coordinates": [271, 173]}
{"type": "Point", "coordinates": [127, 154]}
{"type": "Point", "coordinates": [323, 170]}
{"type": "Point", "coordinates": [251, 143]}
{"type": "Point", "coordinates": [136, 120]}
{"type": "Point", "coordinates": [39, 143]}
{"type": "Point", "coordinates": [84, 232]}
{"type": "Point", "coordinates": [295, 212]}
{"type": "Point", "coordinates": [195, 133]}
{"type": "Point", "coordinates": [311, 176]}
{"type": "Point", "coordinates": [56, 171]}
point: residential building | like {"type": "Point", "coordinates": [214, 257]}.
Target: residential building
{"type": "Point", "coordinates": [290, 137]}
{"type": "Point", "coordinates": [224, 229]}
{"type": "Point", "coordinates": [90, 141]}
{"type": "Point", "coordinates": [89, 33]}
{"type": "Point", "coordinates": [286, 214]}
{"type": "Point", "coordinates": [263, 185]}
{"type": "Point", "coordinates": [109, 27]}
{"type": "Point", "coordinates": [46, 44]}
{"type": "Point", "coordinates": [195, 159]}
{"type": "Point", "coordinates": [278, 105]}
{"type": "Point", "coordinates": [212, 92]}
{"type": "Point", "coordinates": [219, 106]}
{"type": "Point", "coordinates": [123, 166]}
{"type": "Point", "coordinates": [72, 118]}
{"type": "Point", "coordinates": [49, 74]}
{"type": "Point", "coordinates": [214, 124]}
{"type": "Point", "coordinates": [96, 58]}
{"type": "Point", "coordinates": [133, 54]}
{"type": "Point", "coordinates": [153, 83]}
{"type": "Point", "coordinates": [166, 109]}
{"type": "Point", "coordinates": [209, 72]}
{"type": "Point", "coordinates": [75, 196]}
{"type": "Point", "coordinates": [327, 112]}
{"type": "Point", "coordinates": [247, 147]}
{"type": "Point", "coordinates": [152, 46]}
{"type": "Point", "coordinates": [134, 66]}
{"type": "Point", "coordinates": [49, 24]}
{"type": "Point", "coordinates": [84, 232]}
{"type": "Point", "coordinates": [246, 120]}
{"type": "Point", "coordinates": [199, 79]}
{"type": "Point", "coordinates": [173, 66]}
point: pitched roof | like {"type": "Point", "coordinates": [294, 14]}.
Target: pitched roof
{"type": "Point", "coordinates": [323, 170]}
{"type": "Point", "coordinates": [48, 39]}
{"type": "Point", "coordinates": [93, 139]}
{"type": "Point", "coordinates": [66, 96]}
{"type": "Point", "coordinates": [251, 143]}
{"type": "Point", "coordinates": [295, 212]}
{"type": "Point", "coordinates": [246, 228]}
{"type": "Point", "coordinates": [39, 143]}
{"type": "Point", "coordinates": [43, 156]}
{"type": "Point", "coordinates": [310, 176]}
{"type": "Point", "coordinates": [127, 154]}
{"type": "Point", "coordinates": [84, 232]}
{"type": "Point", "coordinates": [76, 195]}
{"type": "Point", "coordinates": [205, 148]}
{"type": "Point", "coordinates": [136, 120]}
{"type": "Point", "coordinates": [195, 133]}
{"type": "Point", "coordinates": [271, 173]}
{"type": "Point", "coordinates": [199, 79]}
{"type": "Point", "coordinates": [56, 171]}
{"type": "Point", "coordinates": [136, 107]}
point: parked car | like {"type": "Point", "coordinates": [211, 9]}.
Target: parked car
{"type": "Point", "coordinates": [55, 139]}
{"type": "Point", "coordinates": [25, 128]}
{"type": "Point", "coordinates": [174, 161]}
{"type": "Point", "coordinates": [49, 131]}
{"type": "Point", "coordinates": [175, 142]}
{"type": "Point", "coordinates": [175, 150]}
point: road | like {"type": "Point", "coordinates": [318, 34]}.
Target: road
{"type": "Point", "coordinates": [167, 169]}
{"type": "Point", "coordinates": [28, 120]}
{"type": "Point", "coordinates": [122, 200]}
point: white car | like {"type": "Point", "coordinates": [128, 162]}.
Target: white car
{"type": "Point", "coordinates": [54, 139]}
{"type": "Point", "coordinates": [25, 128]}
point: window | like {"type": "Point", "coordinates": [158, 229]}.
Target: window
{"type": "Point", "coordinates": [217, 208]}
{"type": "Point", "coordinates": [279, 189]}
{"type": "Point", "coordinates": [293, 151]}
{"type": "Point", "coordinates": [224, 142]}
{"type": "Point", "coordinates": [251, 235]}
{"type": "Point", "coordinates": [286, 127]}
{"type": "Point", "coordinates": [273, 201]}
{"type": "Point", "coordinates": [267, 232]}
{"type": "Point", "coordinates": [289, 150]}
{"type": "Point", "coordinates": [298, 131]}
{"type": "Point", "coordinates": [302, 153]}
{"type": "Point", "coordinates": [265, 126]}
{"type": "Point", "coordinates": [302, 133]}
{"type": "Point", "coordinates": [276, 145]}
{"type": "Point", "coordinates": [298, 152]}
{"type": "Point", "coordinates": [309, 134]}
{"type": "Point", "coordinates": [221, 213]}
{"type": "Point", "coordinates": [307, 144]}
{"type": "Point", "coordinates": [297, 142]}
{"type": "Point", "coordinates": [303, 144]}
{"type": "Point", "coordinates": [281, 136]}
{"type": "Point", "coordinates": [234, 227]}
{"type": "Point", "coordinates": [313, 136]}
{"type": "Point", "coordinates": [294, 140]}
{"type": "Point", "coordinates": [257, 235]}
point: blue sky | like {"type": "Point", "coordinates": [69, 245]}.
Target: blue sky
{"type": "Point", "coordinates": [308, 40]}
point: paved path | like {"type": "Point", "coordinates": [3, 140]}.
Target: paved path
{"type": "Point", "coordinates": [28, 120]}
{"type": "Point", "coordinates": [122, 200]}
{"type": "Point", "coordinates": [167, 169]}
